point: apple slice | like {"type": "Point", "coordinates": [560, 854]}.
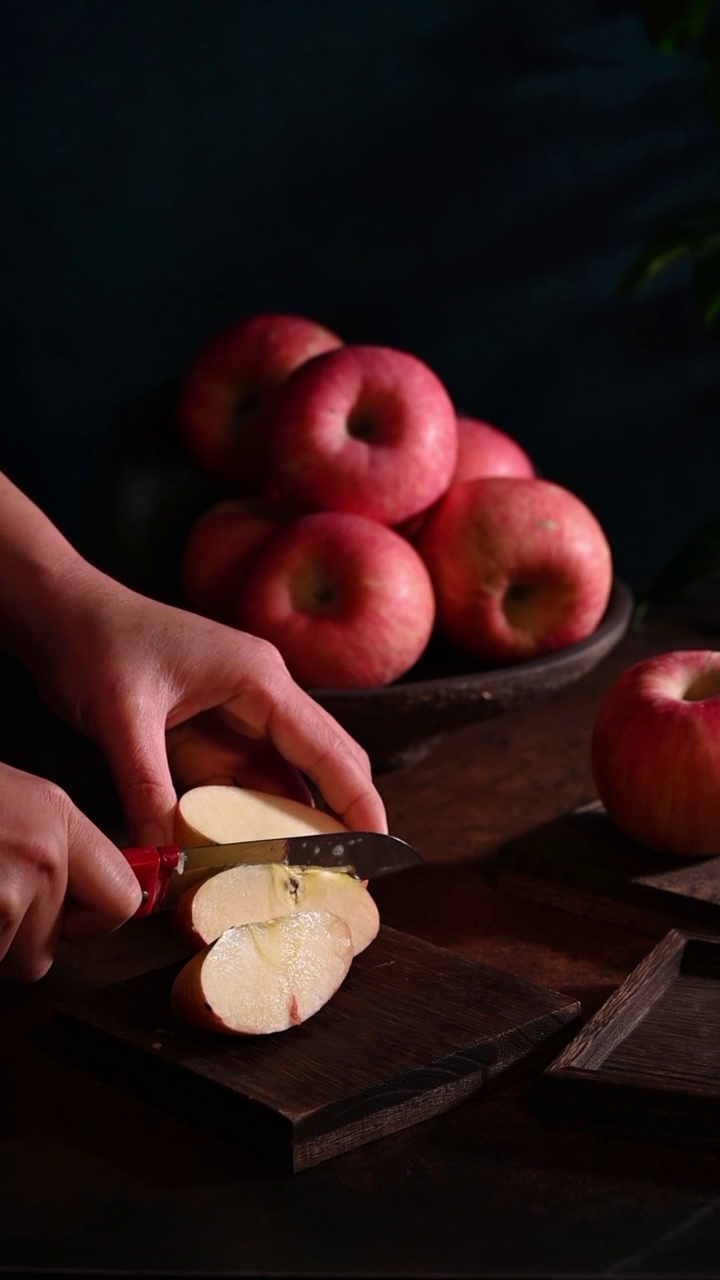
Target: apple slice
{"type": "Point", "coordinates": [260, 978]}
{"type": "Point", "coordinates": [219, 814]}
{"type": "Point", "coordinates": [253, 893]}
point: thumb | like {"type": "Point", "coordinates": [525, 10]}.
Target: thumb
{"type": "Point", "coordinates": [137, 756]}
{"type": "Point", "coordinates": [102, 890]}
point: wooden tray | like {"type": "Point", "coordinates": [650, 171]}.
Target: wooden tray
{"type": "Point", "coordinates": [647, 1064]}
{"type": "Point", "coordinates": [413, 1030]}
{"type": "Point", "coordinates": [582, 863]}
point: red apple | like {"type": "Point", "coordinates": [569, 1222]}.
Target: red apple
{"type": "Point", "coordinates": [656, 752]}
{"type": "Point", "coordinates": [346, 600]}
{"type": "Point", "coordinates": [218, 547]}
{"type": "Point", "coordinates": [484, 450]}
{"type": "Point", "coordinates": [521, 567]}
{"type": "Point", "coordinates": [364, 429]}
{"type": "Point", "coordinates": [229, 396]}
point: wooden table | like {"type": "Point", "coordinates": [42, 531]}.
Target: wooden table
{"type": "Point", "coordinates": [93, 1178]}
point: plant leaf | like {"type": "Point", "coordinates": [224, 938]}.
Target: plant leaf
{"type": "Point", "coordinates": [672, 24]}
{"type": "Point", "coordinates": [665, 246]}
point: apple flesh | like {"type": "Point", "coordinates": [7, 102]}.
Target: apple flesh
{"type": "Point", "coordinates": [220, 814]}
{"type": "Point", "coordinates": [484, 450]}
{"type": "Point", "coordinates": [229, 396]}
{"type": "Point", "coordinates": [347, 601]}
{"type": "Point", "coordinates": [255, 892]}
{"type": "Point", "coordinates": [521, 567]}
{"type": "Point", "coordinates": [218, 547]}
{"type": "Point", "coordinates": [655, 752]}
{"type": "Point", "coordinates": [257, 979]}
{"type": "Point", "coordinates": [364, 429]}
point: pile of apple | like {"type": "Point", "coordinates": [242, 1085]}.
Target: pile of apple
{"type": "Point", "coordinates": [272, 943]}
{"type": "Point", "coordinates": [364, 515]}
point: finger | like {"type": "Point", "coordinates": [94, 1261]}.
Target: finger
{"type": "Point", "coordinates": [205, 751]}
{"type": "Point", "coordinates": [306, 735]}
{"type": "Point", "coordinates": [137, 755]}
{"type": "Point", "coordinates": [33, 889]}
{"type": "Point", "coordinates": [102, 890]}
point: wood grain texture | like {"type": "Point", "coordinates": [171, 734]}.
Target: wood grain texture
{"type": "Point", "coordinates": [582, 863]}
{"type": "Point", "coordinates": [413, 1031]}
{"type": "Point", "coordinates": [647, 1064]}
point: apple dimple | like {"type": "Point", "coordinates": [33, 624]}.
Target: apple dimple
{"type": "Point", "coordinates": [703, 686]}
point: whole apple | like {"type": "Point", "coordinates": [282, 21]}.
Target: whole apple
{"type": "Point", "coordinates": [364, 429]}
{"type": "Point", "coordinates": [228, 398]}
{"type": "Point", "coordinates": [656, 752]}
{"type": "Point", "coordinates": [217, 548]}
{"type": "Point", "coordinates": [346, 600]}
{"type": "Point", "coordinates": [485, 450]}
{"type": "Point", "coordinates": [521, 567]}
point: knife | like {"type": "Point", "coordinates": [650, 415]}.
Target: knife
{"type": "Point", "coordinates": [362, 853]}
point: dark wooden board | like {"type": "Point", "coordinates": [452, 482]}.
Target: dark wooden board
{"type": "Point", "coordinates": [647, 1064]}
{"type": "Point", "coordinates": [582, 863]}
{"type": "Point", "coordinates": [413, 1031]}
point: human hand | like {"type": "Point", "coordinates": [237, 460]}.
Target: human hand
{"type": "Point", "coordinates": [144, 679]}
{"type": "Point", "coordinates": [60, 877]}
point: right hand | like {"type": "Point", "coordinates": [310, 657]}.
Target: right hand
{"type": "Point", "coordinates": [60, 877]}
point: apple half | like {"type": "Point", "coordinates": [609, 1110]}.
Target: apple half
{"type": "Point", "coordinates": [255, 892]}
{"type": "Point", "coordinates": [257, 979]}
{"type": "Point", "coordinates": [222, 814]}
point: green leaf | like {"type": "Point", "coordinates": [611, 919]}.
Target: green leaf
{"type": "Point", "coordinates": [672, 24]}
{"type": "Point", "coordinates": [665, 246]}
{"type": "Point", "coordinates": [698, 560]}
{"type": "Point", "coordinates": [706, 287]}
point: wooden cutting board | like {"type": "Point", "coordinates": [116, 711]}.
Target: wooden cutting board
{"type": "Point", "coordinates": [582, 863]}
{"type": "Point", "coordinates": [413, 1031]}
{"type": "Point", "coordinates": [647, 1065]}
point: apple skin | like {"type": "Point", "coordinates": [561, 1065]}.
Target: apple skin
{"type": "Point", "coordinates": [228, 398]}
{"type": "Point", "coordinates": [485, 450]}
{"type": "Point", "coordinates": [655, 752]}
{"type": "Point", "coordinates": [347, 601]}
{"type": "Point", "coordinates": [521, 567]}
{"type": "Point", "coordinates": [364, 429]}
{"type": "Point", "coordinates": [218, 547]}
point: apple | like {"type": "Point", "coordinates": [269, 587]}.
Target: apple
{"type": "Point", "coordinates": [223, 814]}
{"type": "Point", "coordinates": [347, 601]}
{"type": "Point", "coordinates": [485, 450]}
{"type": "Point", "coordinates": [218, 545]}
{"type": "Point", "coordinates": [655, 752]}
{"type": "Point", "coordinates": [228, 397]}
{"type": "Point", "coordinates": [367, 430]}
{"type": "Point", "coordinates": [521, 567]}
{"type": "Point", "coordinates": [257, 979]}
{"type": "Point", "coordinates": [255, 892]}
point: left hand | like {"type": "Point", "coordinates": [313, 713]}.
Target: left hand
{"type": "Point", "coordinates": [163, 691]}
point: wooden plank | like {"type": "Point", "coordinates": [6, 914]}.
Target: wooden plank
{"type": "Point", "coordinates": [580, 862]}
{"type": "Point", "coordinates": [413, 1031]}
{"type": "Point", "coordinates": [647, 1064]}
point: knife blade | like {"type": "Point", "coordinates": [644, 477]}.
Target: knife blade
{"type": "Point", "coordinates": [366, 854]}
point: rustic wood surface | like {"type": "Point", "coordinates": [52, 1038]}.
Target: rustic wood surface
{"type": "Point", "coordinates": [97, 1178]}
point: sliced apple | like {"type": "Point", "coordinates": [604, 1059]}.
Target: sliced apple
{"type": "Point", "coordinates": [249, 894]}
{"type": "Point", "coordinates": [222, 814]}
{"type": "Point", "coordinates": [260, 978]}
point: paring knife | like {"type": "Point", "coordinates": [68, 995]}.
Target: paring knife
{"type": "Point", "coordinates": [364, 853]}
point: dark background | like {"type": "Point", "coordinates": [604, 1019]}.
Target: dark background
{"type": "Point", "coordinates": [464, 179]}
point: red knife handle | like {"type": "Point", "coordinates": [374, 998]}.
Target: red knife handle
{"type": "Point", "coordinates": [153, 867]}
